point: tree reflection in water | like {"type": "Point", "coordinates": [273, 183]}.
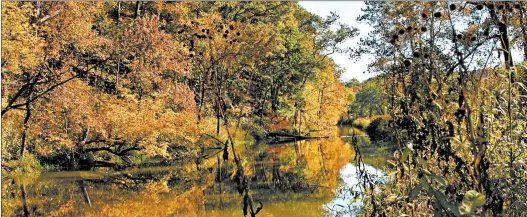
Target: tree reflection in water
{"type": "Point", "coordinates": [303, 178]}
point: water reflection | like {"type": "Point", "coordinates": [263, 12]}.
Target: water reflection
{"type": "Point", "coordinates": [303, 178]}
{"type": "Point", "coordinates": [347, 201]}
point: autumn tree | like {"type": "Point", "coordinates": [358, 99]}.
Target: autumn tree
{"type": "Point", "coordinates": [110, 83]}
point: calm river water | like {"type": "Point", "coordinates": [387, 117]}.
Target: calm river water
{"type": "Point", "coordinates": [304, 178]}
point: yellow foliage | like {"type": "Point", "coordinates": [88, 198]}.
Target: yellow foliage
{"type": "Point", "coordinates": [22, 49]}
{"type": "Point", "coordinates": [325, 100]}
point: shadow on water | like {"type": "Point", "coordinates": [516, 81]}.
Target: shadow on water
{"type": "Point", "coordinates": [302, 178]}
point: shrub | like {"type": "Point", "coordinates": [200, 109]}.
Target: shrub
{"type": "Point", "coordinates": [345, 121]}
{"type": "Point", "coordinates": [255, 130]}
{"type": "Point", "coordinates": [25, 170]}
{"type": "Point", "coordinates": [361, 123]}
{"type": "Point", "coordinates": [378, 130]}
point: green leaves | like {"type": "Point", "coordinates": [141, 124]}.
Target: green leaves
{"type": "Point", "coordinates": [415, 192]}
{"type": "Point", "coordinates": [440, 197]}
{"type": "Point", "coordinates": [471, 202]}
{"type": "Point", "coordinates": [450, 208]}
{"type": "Point", "coordinates": [438, 179]}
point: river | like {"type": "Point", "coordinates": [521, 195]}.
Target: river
{"type": "Point", "coordinates": [304, 178]}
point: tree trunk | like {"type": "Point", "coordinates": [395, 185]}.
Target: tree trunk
{"type": "Point", "coordinates": [321, 101]}
{"type": "Point", "coordinates": [85, 193]}
{"type": "Point", "coordinates": [219, 182]}
{"type": "Point", "coordinates": [138, 9]}
{"type": "Point", "coordinates": [300, 122]}
{"type": "Point", "coordinates": [202, 98]}
{"type": "Point", "coordinates": [263, 108]}
{"type": "Point", "coordinates": [322, 159]}
{"type": "Point", "coordinates": [274, 97]}
{"type": "Point", "coordinates": [27, 116]}
{"type": "Point", "coordinates": [504, 37]}
{"type": "Point", "coordinates": [39, 11]}
{"type": "Point", "coordinates": [524, 33]}
{"type": "Point", "coordinates": [24, 200]}
{"type": "Point", "coordinates": [118, 12]}
{"type": "Point", "coordinates": [218, 118]}
{"type": "Point", "coordinates": [117, 76]}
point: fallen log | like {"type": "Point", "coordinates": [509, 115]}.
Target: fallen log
{"type": "Point", "coordinates": [281, 137]}
{"type": "Point", "coordinates": [289, 135]}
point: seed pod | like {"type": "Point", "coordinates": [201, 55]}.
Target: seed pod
{"type": "Point", "coordinates": [420, 174]}
{"type": "Point", "coordinates": [479, 7]}
{"type": "Point", "coordinates": [395, 37]}
{"type": "Point", "coordinates": [452, 7]}
{"type": "Point", "coordinates": [437, 14]}
{"type": "Point", "coordinates": [238, 34]}
{"type": "Point", "coordinates": [417, 54]}
{"type": "Point", "coordinates": [501, 6]}
{"type": "Point", "coordinates": [473, 38]}
{"type": "Point", "coordinates": [231, 27]}
{"type": "Point", "coordinates": [426, 55]}
{"type": "Point", "coordinates": [424, 16]}
{"type": "Point", "coordinates": [423, 29]}
{"type": "Point", "coordinates": [225, 35]}
{"type": "Point", "coordinates": [459, 36]}
{"type": "Point", "coordinates": [401, 31]}
{"type": "Point", "coordinates": [407, 63]}
{"type": "Point", "coordinates": [486, 32]}
{"type": "Point", "coordinates": [490, 6]}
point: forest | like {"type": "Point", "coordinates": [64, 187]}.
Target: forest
{"type": "Point", "coordinates": [237, 108]}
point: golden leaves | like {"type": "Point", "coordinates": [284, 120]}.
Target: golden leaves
{"type": "Point", "coordinates": [325, 100]}
{"type": "Point", "coordinates": [153, 51]}
{"type": "Point", "coordinates": [21, 46]}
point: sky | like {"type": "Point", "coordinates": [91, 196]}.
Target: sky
{"type": "Point", "coordinates": [348, 12]}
